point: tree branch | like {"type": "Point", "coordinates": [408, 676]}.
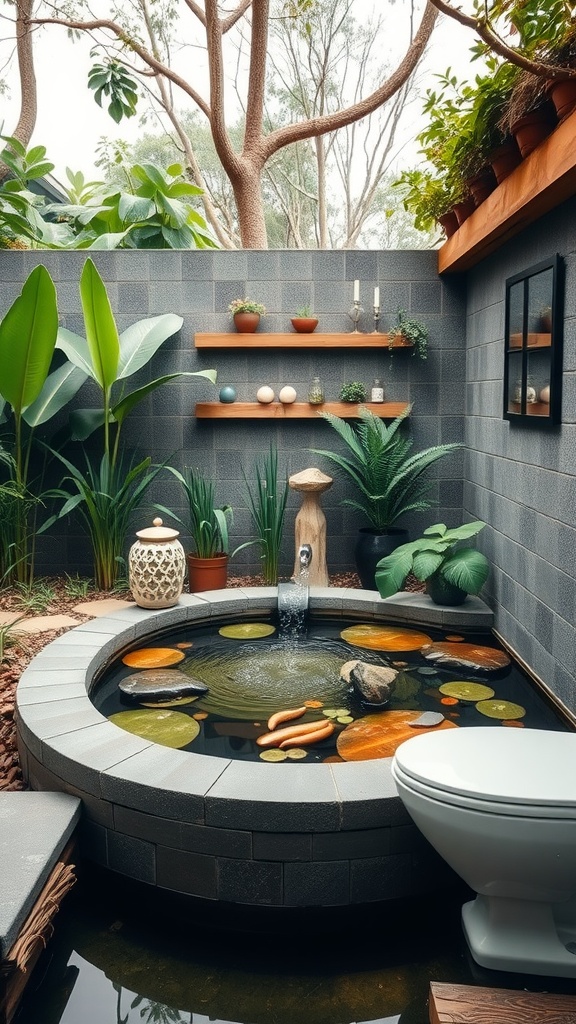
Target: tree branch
{"type": "Point", "coordinates": [339, 118]}
{"type": "Point", "coordinates": [485, 31]}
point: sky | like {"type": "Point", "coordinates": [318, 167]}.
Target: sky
{"type": "Point", "coordinates": [70, 123]}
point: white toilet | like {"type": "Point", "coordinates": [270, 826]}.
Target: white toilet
{"type": "Point", "coordinates": [499, 805]}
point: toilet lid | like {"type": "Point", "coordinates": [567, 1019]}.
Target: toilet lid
{"type": "Point", "coordinates": [514, 766]}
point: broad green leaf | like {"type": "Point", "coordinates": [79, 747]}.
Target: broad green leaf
{"type": "Point", "coordinates": [467, 569]}
{"type": "Point", "coordinates": [134, 208]}
{"type": "Point", "coordinates": [76, 348]}
{"type": "Point", "coordinates": [141, 340]}
{"type": "Point", "coordinates": [27, 340]}
{"type": "Point", "coordinates": [59, 389]}
{"type": "Point", "coordinates": [101, 330]}
{"type": "Point", "coordinates": [121, 410]}
{"type": "Point", "coordinates": [84, 422]}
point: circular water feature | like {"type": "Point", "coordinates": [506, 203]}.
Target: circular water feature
{"type": "Point", "coordinates": [218, 826]}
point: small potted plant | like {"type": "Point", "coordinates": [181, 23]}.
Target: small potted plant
{"type": "Point", "coordinates": [304, 322]}
{"type": "Point", "coordinates": [407, 332]}
{"type": "Point", "coordinates": [246, 314]}
{"type": "Point", "coordinates": [355, 391]}
{"type": "Point", "coordinates": [451, 571]}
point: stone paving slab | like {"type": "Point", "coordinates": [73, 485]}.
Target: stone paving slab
{"type": "Point", "coordinates": [103, 607]}
{"type": "Point", "coordinates": [6, 618]}
{"type": "Point", "coordinates": [45, 623]}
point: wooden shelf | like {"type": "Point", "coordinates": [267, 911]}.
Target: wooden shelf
{"type": "Point", "coordinates": [293, 340]}
{"type": "Point", "coordinates": [546, 178]}
{"type": "Point", "coordinates": [532, 341]}
{"type": "Point", "coordinates": [294, 411]}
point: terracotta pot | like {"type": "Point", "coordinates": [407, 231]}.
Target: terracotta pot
{"type": "Point", "coordinates": [531, 130]}
{"type": "Point", "coordinates": [504, 159]}
{"type": "Point", "coordinates": [246, 323]}
{"type": "Point", "coordinates": [449, 223]}
{"type": "Point", "coordinates": [207, 573]}
{"type": "Point", "coordinates": [304, 324]}
{"type": "Point", "coordinates": [464, 209]}
{"type": "Point", "coordinates": [562, 92]}
{"type": "Point", "coordinates": [482, 185]}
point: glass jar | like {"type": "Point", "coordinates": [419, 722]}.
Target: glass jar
{"type": "Point", "coordinates": [316, 392]}
{"type": "Point", "coordinates": [377, 393]}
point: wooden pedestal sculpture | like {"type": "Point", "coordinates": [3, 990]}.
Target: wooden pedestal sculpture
{"type": "Point", "coordinates": [310, 525]}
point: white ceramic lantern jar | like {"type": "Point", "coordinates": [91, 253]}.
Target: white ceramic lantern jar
{"type": "Point", "coordinates": [156, 565]}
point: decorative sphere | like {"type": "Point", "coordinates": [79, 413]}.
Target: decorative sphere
{"type": "Point", "coordinates": [544, 395]}
{"type": "Point", "coordinates": [265, 395]}
{"type": "Point", "coordinates": [287, 395]}
{"type": "Point", "coordinates": [227, 394]}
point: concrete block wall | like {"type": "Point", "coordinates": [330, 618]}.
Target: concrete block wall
{"type": "Point", "coordinates": [199, 286]}
{"type": "Point", "coordinates": [522, 480]}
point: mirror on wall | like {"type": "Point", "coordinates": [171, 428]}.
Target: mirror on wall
{"type": "Point", "coordinates": [533, 344]}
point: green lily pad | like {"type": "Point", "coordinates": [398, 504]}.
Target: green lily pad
{"type": "Point", "coordinates": [168, 728]}
{"type": "Point", "coordinates": [247, 630]}
{"type": "Point", "coordinates": [505, 710]}
{"type": "Point", "coordinates": [466, 690]}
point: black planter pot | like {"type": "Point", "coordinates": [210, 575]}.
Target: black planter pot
{"type": "Point", "coordinates": [371, 546]}
{"type": "Point", "coordinates": [443, 592]}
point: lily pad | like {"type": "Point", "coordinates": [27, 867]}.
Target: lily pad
{"type": "Point", "coordinates": [384, 638]}
{"type": "Point", "coordinates": [465, 690]}
{"type": "Point", "coordinates": [168, 728]}
{"type": "Point", "coordinates": [505, 710]}
{"type": "Point", "coordinates": [247, 630]}
{"type": "Point", "coordinates": [379, 735]}
{"type": "Point", "coordinates": [483, 659]}
{"type": "Point", "coordinates": [273, 755]}
{"type": "Point", "coordinates": [153, 657]}
{"type": "Point", "coordinates": [296, 753]}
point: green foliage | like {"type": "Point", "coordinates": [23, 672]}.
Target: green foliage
{"type": "Point", "coordinates": [246, 306]}
{"type": "Point", "coordinates": [304, 313]}
{"type": "Point", "coordinates": [113, 81]}
{"type": "Point", "coordinates": [437, 552]}
{"type": "Point", "coordinates": [355, 391]}
{"type": "Point", "coordinates": [35, 598]}
{"type": "Point", "coordinates": [412, 330]}
{"type": "Point", "coordinates": [389, 479]}
{"type": "Point", "coordinates": [207, 525]}
{"type": "Point", "coordinates": [267, 504]}
{"type": "Point", "coordinates": [111, 488]}
{"type": "Point", "coordinates": [33, 395]}
{"type": "Point", "coordinates": [11, 637]}
{"type": "Point", "coordinates": [77, 587]}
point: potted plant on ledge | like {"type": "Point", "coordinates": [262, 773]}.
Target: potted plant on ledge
{"type": "Point", "coordinates": [410, 333]}
{"type": "Point", "coordinates": [304, 322]}
{"type": "Point", "coordinates": [208, 528]}
{"type": "Point", "coordinates": [389, 480]}
{"type": "Point", "coordinates": [246, 314]}
{"type": "Point", "coordinates": [450, 570]}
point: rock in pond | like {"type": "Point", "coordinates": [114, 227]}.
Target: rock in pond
{"type": "Point", "coordinates": [427, 720]}
{"type": "Point", "coordinates": [374, 683]}
{"type": "Point", "coordinates": [481, 659]}
{"type": "Point", "coordinates": [160, 685]}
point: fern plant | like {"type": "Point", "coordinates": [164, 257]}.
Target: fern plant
{"type": "Point", "coordinates": [389, 478]}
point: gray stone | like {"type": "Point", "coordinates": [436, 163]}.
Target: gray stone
{"type": "Point", "coordinates": [427, 719]}
{"type": "Point", "coordinates": [160, 684]}
{"type": "Point", "coordinates": [374, 683]}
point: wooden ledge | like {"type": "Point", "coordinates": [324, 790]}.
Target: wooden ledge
{"type": "Point", "coordinates": [471, 1004]}
{"type": "Point", "coordinates": [544, 180]}
{"type": "Point", "coordinates": [297, 410]}
{"type": "Point", "coordinates": [294, 340]}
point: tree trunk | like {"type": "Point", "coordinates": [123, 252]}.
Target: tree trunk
{"type": "Point", "coordinates": [248, 195]}
{"type": "Point", "coordinates": [28, 92]}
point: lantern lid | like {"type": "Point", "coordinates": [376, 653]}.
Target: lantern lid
{"type": "Point", "coordinates": [157, 532]}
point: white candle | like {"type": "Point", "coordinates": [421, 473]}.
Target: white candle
{"type": "Point", "coordinates": [356, 291]}
{"type": "Point", "coordinates": [376, 296]}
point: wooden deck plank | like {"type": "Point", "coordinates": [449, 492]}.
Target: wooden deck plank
{"type": "Point", "coordinates": [471, 1004]}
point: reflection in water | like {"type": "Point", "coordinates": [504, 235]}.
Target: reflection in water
{"type": "Point", "coordinates": [135, 964]}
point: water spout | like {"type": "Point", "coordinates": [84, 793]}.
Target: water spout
{"type": "Point", "coordinates": [304, 556]}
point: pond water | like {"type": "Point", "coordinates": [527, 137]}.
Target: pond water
{"type": "Point", "coordinates": [251, 677]}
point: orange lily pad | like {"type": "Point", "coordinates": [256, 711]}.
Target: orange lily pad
{"type": "Point", "coordinates": [379, 735]}
{"type": "Point", "coordinates": [487, 659]}
{"type": "Point", "coordinates": [153, 657]}
{"type": "Point", "coordinates": [384, 638]}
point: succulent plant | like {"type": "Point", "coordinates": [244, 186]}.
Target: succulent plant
{"type": "Point", "coordinates": [355, 391]}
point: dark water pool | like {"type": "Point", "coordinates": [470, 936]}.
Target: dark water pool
{"type": "Point", "coordinates": [250, 679]}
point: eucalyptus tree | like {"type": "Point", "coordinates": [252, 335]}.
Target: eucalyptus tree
{"type": "Point", "coordinates": [142, 42]}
